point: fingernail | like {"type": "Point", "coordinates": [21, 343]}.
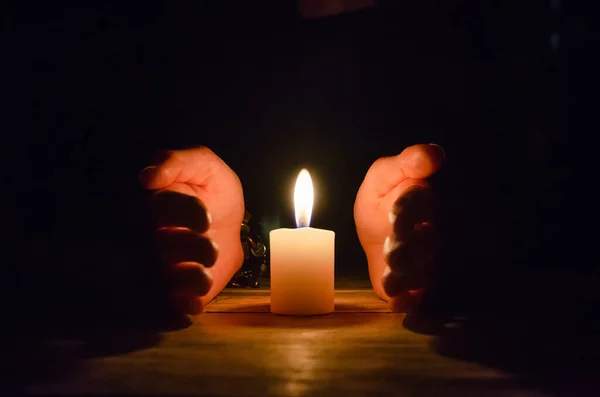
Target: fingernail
{"type": "Point", "coordinates": [146, 174]}
{"type": "Point", "coordinates": [440, 148]}
{"type": "Point", "coordinates": [423, 227]}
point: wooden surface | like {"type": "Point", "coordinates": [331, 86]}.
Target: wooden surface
{"type": "Point", "coordinates": [240, 349]}
{"type": "Point", "coordinates": [257, 301]}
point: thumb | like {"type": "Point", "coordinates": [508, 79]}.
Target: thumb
{"type": "Point", "coordinates": [415, 162]}
{"type": "Point", "coordinates": [193, 166]}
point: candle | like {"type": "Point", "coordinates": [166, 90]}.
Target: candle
{"type": "Point", "coordinates": [302, 260]}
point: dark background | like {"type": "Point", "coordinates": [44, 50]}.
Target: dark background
{"type": "Point", "coordinates": [94, 91]}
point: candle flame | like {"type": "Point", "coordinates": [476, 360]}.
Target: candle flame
{"type": "Point", "coordinates": [303, 198]}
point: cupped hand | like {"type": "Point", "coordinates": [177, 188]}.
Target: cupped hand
{"type": "Point", "coordinates": [393, 216]}
{"type": "Point", "coordinates": [197, 208]}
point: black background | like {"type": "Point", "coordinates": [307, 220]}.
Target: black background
{"type": "Point", "coordinates": [95, 90]}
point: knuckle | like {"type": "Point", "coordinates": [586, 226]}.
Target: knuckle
{"type": "Point", "coordinates": [183, 245]}
{"type": "Point", "coordinates": [203, 152]}
{"type": "Point", "coordinates": [390, 245]}
{"type": "Point", "coordinates": [204, 149]}
{"type": "Point", "coordinates": [419, 161]}
{"type": "Point", "coordinates": [393, 284]}
{"type": "Point", "coordinates": [414, 206]}
{"type": "Point", "coordinates": [401, 259]}
{"type": "Point", "coordinates": [377, 165]}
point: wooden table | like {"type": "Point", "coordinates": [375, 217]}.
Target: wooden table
{"type": "Point", "coordinates": [238, 348]}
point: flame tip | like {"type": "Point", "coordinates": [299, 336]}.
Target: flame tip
{"type": "Point", "coordinates": [303, 198]}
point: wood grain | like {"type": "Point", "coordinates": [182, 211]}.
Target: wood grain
{"type": "Point", "coordinates": [257, 301]}
{"type": "Point", "coordinates": [360, 350]}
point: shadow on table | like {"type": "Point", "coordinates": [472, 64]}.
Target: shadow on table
{"type": "Point", "coordinates": [546, 344]}
{"type": "Point", "coordinates": [34, 358]}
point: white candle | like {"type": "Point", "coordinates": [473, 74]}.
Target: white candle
{"type": "Point", "coordinates": [302, 261]}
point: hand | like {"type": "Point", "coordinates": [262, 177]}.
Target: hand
{"type": "Point", "coordinates": [198, 208]}
{"type": "Point", "coordinates": [393, 213]}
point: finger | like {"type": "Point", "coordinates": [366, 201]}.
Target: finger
{"type": "Point", "coordinates": [421, 161]}
{"type": "Point", "coordinates": [408, 250]}
{"type": "Point", "coordinates": [398, 305]}
{"type": "Point", "coordinates": [413, 207]}
{"type": "Point", "coordinates": [193, 166]}
{"type": "Point", "coordinates": [173, 209]}
{"type": "Point", "coordinates": [190, 278]}
{"type": "Point", "coordinates": [415, 162]}
{"type": "Point", "coordinates": [187, 303]}
{"type": "Point", "coordinates": [183, 245]}
{"type": "Point", "coordinates": [426, 228]}
{"type": "Point", "coordinates": [414, 259]}
{"type": "Point", "coordinates": [399, 256]}
{"type": "Point", "coordinates": [424, 239]}
{"type": "Point", "coordinates": [395, 284]}
{"type": "Point", "coordinates": [406, 302]}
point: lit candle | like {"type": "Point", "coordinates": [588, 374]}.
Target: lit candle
{"type": "Point", "coordinates": [302, 260]}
